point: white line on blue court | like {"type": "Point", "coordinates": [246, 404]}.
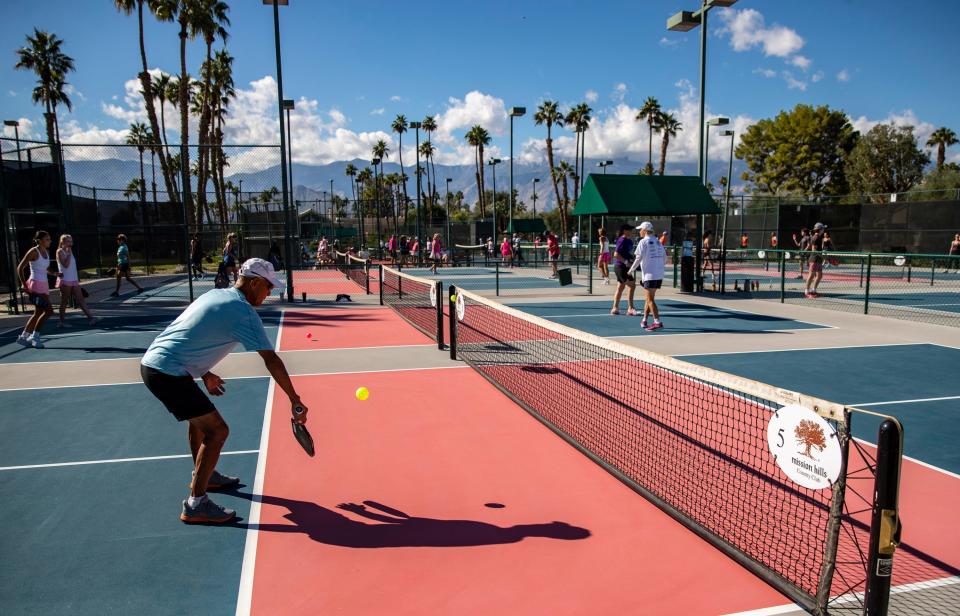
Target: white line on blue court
{"type": "Point", "coordinates": [886, 402]}
{"type": "Point", "coordinates": [816, 348]}
{"type": "Point", "coordinates": [606, 313]}
{"type": "Point", "coordinates": [118, 460]}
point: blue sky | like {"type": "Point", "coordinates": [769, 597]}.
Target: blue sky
{"type": "Point", "coordinates": [354, 66]}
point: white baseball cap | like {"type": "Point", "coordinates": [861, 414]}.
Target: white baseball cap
{"type": "Point", "coordinates": [646, 226]}
{"type": "Point", "coordinates": [259, 268]}
{"type": "Point", "coordinates": [819, 226]}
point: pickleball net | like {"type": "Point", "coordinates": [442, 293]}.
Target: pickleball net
{"type": "Point", "coordinates": [354, 268]}
{"type": "Point", "coordinates": [419, 301]}
{"type": "Point", "coordinates": [690, 439]}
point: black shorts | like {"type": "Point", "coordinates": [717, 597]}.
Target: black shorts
{"type": "Point", "coordinates": [180, 394]}
{"type": "Point", "coordinates": [652, 284]}
{"type": "Point", "coordinates": [40, 301]}
{"type": "Point", "coordinates": [123, 268]}
{"type": "Point", "coordinates": [620, 270]}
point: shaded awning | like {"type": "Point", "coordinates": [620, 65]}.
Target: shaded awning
{"type": "Point", "coordinates": [637, 195]}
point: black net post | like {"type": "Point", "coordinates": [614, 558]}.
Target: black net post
{"type": "Point", "coordinates": [885, 524]}
{"type": "Point", "coordinates": [366, 271]}
{"type": "Point", "coordinates": [439, 297]}
{"type": "Point", "coordinates": [496, 264]}
{"type": "Point", "coordinates": [452, 307]}
{"type": "Point", "coordinates": [380, 270]}
{"type": "Point", "coordinates": [590, 257]}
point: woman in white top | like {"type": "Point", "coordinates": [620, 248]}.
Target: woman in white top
{"type": "Point", "coordinates": [32, 271]}
{"type": "Point", "coordinates": [436, 252]}
{"type": "Point", "coordinates": [69, 282]}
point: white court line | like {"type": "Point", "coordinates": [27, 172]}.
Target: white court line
{"type": "Point", "coordinates": [752, 331]}
{"type": "Point", "coordinates": [762, 314]}
{"type": "Point", "coordinates": [818, 348]}
{"type": "Point", "coordinates": [794, 608]}
{"type": "Point", "coordinates": [607, 313]}
{"type": "Point", "coordinates": [255, 376]}
{"type": "Point", "coordinates": [903, 401]}
{"type": "Point", "coordinates": [118, 460]}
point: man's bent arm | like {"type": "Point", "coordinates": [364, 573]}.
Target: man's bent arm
{"type": "Point", "coordinates": [279, 373]}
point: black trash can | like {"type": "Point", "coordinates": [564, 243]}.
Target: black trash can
{"type": "Point", "coordinates": [687, 268]}
{"type": "Point", "coordinates": [565, 276]}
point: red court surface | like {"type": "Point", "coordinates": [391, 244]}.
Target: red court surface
{"type": "Point", "coordinates": [504, 516]}
{"type": "Point", "coordinates": [329, 282]}
{"type": "Point", "coordinates": [339, 328]}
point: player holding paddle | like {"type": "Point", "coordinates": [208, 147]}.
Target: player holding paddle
{"type": "Point", "coordinates": [189, 348]}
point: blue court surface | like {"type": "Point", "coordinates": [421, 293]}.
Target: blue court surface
{"type": "Point", "coordinates": [946, 302]}
{"type": "Point", "coordinates": [678, 318]}
{"type": "Point", "coordinates": [111, 338]}
{"type": "Point", "coordinates": [917, 383]}
{"type": "Point", "coordinates": [117, 519]}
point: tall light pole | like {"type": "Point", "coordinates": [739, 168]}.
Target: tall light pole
{"type": "Point", "coordinates": [718, 121]}
{"type": "Point", "coordinates": [376, 190]}
{"type": "Point", "coordinates": [603, 164]}
{"type": "Point", "coordinates": [358, 208]}
{"type": "Point", "coordinates": [447, 243]}
{"type": "Point", "coordinates": [416, 130]}
{"type": "Point", "coordinates": [288, 106]}
{"type": "Point", "coordinates": [332, 210]}
{"type": "Point", "coordinates": [493, 162]}
{"type": "Point", "coordinates": [284, 186]}
{"type": "Point", "coordinates": [515, 112]}
{"type": "Point", "coordinates": [685, 21]}
{"type": "Point", "coordinates": [726, 200]}
{"type": "Point", "coordinates": [534, 198]}
{"type": "Point", "coordinates": [16, 135]}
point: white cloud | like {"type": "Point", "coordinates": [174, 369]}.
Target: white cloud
{"type": "Point", "coordinates": [26, 129]}
{"type": "Point", "coordinates": [591, 96]}
{"type": "Point", "coordinates": [669, 42]}
{"type": "Point", "coordinates": [396, 99]}
{"type": "Point", "coordinates": [619, 92]}
{"type": "Point", "coordinates": [766, 72]}
{"type": "Point", "coordinates": [843, 76]}
{"type": "Point", "coordinates": [816, 76]}
{"type": "Point", "coordinates": [73, 92]}
{"type": "Point", "coordinates": [11, 93]}
{"type": "Point", "coordinates": [801, 62]}
{"type": "Point", "coordinates": [907, 117]}
{"type": "Point", "coordinates": [379, 111]}
{"type": "Point", "coordinates": [792, 82]}
{"type": "Point", "coordinates": [747, 29]}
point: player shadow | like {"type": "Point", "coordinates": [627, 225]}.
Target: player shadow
{"type": "Point", "coordinates": [383, 526]}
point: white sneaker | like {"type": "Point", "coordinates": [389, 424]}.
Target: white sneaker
{"type": "Point", "coordinates": [35, 341]}
{"type": "Point", "coordinates": [24, 339]}
{"type": "Point", "coordinates": [606, 281]}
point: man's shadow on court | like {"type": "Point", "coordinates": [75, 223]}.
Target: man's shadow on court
{"type": "Point", "coordinates": [392, 528]}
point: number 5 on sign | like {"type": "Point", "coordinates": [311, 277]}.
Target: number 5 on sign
{"type": "Point", "coordinates": [805, 446]}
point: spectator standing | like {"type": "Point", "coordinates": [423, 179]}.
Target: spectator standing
{"type": "Point", "coordinates": [123, 266]}
{"type": "Point", "coordinates": [553, 252]}
{"type": "Point", "coordinates": [954, 252]}
{"type": "Point", "coordinates": [69, 281]}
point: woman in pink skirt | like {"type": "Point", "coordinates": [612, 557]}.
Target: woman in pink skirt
{"type": "Point", "coordinates": [32, 271]}
{"type": "Point", "coordinates": [69, 282]}
{"type": "Point", "coordinates": [603, 261]}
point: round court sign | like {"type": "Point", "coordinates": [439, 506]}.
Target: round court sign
{"type": "Point", "coordinates": [761, 254]}
{"type": "Point", "coordinates": [787, 255]}
{"type": "Point", "coordinates": [805, 447]}
{"type": "Point", "coordinates": [461, 307]}
{"type": "Point", "coordinates": [433, 295]}
{"type": "Point", "coordinates": [899, 260]}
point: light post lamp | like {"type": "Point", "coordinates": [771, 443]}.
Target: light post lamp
{"type": "Point", "coordinates": [447, 243]}
{"type": "Point", "coordinates": [332, 209]}
{"type": "Point", "coordinates": [718, 121]}
{"type": "Point", "coordinates": [15, 125]}
{"type": "Point", "coordinates": [603, 164]}
{"type": "Point", "coordinates": [685, 21]}
{"type": "Point", "coordinates": [376, 189]}
{"type": "Point", "coordinates": [493, 162]}
{"type": "Point", "coordinates": [515, 112]}
{"type": "Point", "coordinates": [534, 198]}
{"type": "Point", "coordinates": [416, 130]}
{"type": "Point", "coordinates": [284, 186]}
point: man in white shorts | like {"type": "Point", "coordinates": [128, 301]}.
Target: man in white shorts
{"type": "Point", "coordinates": [650, 260]}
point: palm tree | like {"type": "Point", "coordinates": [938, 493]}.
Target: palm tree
{"type": "Point", "coordinates": [160, 87]}
{"type": "Point", "coordinates": [942, 138]}
{"type": "Point", "coordinates": [668, 126]}
{"type": "Point", "coordinates": [44, 56]}
{"type": "Point", "coordinates": [579, 118]}
{"type": "Point", "coordinates": [149, 91]}
{"type": "Point", "coordinates": [479, 138]}
{"type": "Point", "coordinates": [140, 136]}
{"type": "Point", "coordinates": [649, 112]}
{"type": "Point", "coordinates": [221, 93]}
{"type": "Point", "coordinates": [429, 125]}
{"type": "Point", "coordinates": [563, 172]}
{"type": "Point", "coordinates": [426, 151]}
{"type": "Point", "coordinates": [549, 113]}
{"type": "Point", "coordinates": [134, 188]}
{"type": "Point", "coordinates": [400, 126]}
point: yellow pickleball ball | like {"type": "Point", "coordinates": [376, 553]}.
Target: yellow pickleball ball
{"type": "Point", "coordinates": [363, 393]}
{"type": "Point", "coordinates": [453, 297]}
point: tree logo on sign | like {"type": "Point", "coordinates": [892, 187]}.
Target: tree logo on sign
{"type": "Point", "coordinates": [810, 436]}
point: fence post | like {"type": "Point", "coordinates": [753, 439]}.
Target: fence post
{"type": "Point", "coordinates": [591, 259]}
{"type": "Point", "coordinates": [452, 307]}
{"type": "Point", "coordinates": [933, 269]}
{"type": "Point", "coordinates": [676, 264]}
{"type": "Point", "coordinates": [885, 521]}
{"type": "Point", "coordinates": [380, 268]}
{"type": "Point", "coordinates": [866, 290]}
{"type": "Point", "coordinates": [438, 295]}
{"type": "Point", "coordinates": [783, 277]}
{"type": "Point", "coordinates": [496, 264]}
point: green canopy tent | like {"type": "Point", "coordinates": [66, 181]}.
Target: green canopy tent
{"type": "Point", "coordinates": [645, 195]}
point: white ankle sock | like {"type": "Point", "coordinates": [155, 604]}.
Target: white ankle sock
{"type": "Point", "coordinates": [193, 501]}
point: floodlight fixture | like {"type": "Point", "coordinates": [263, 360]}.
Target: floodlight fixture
{"type": "Point", "coordinates": [516, 112]}
{"type": "Point", "coordinates": [719, 121]}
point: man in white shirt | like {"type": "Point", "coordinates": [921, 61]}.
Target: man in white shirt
{"type": "Point", "coordinates": [650, 260]}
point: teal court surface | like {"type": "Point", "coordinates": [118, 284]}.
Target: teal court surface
{"type": "Point", "coordinates": [439, 494]}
